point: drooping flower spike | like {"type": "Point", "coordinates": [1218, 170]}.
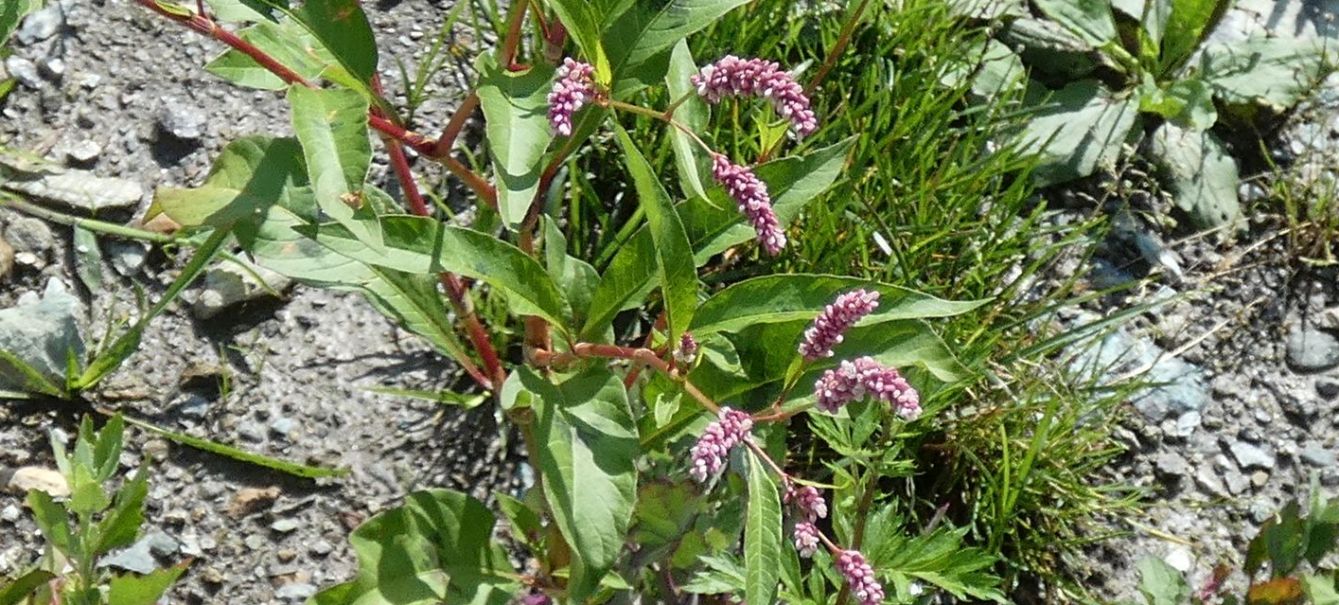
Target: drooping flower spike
{"type": "Point", "coordinates": [735, 77]}
{"type": "Point", "coordinates": [750, 193]}
{"type": "Point", "coordinates": [860, 577]}
{"type": "Point", "coordinates": [807, 501]}
{"type": "Point", "coordinates": [866, 376]}
{"type": "Point", "coordinates": [574, 88]}
{"type": "Point", "coordinates": [806, 539]}
{"type": "Point", "coordinates": [838, 317]}
{"type": "Point", "coordinates": [722, 435]}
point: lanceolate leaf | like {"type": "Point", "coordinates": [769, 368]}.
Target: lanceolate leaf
{"type": "Point", "coordinates": [674, 254]}
{"type": "Point", "coordinates": [649, 29]}
{"type": "Point", "coordinates": [437, 548]}
{"type": "Point", "coordinates": [762, 536]}
{"type": "Point", "coordinates": [288, 43]}
{"type": "Point", "coordinates": [250, 175]}
{"type": "Point", "coordinates": [514, 107]}
{"type": "Point", "coordinates": [283, 466]}
{"type": "Point", "coordinates": [17, 591]}
{"type": "Point", "coordinates": [587, 456]}
{"type": "Point", "coordinates": [781, 298]}
{"type": "Point", "coordinates": [13, 11]}
{"type": "Point", "coordinates": [691, 113]}
{"type": "Point", "coordinates": [423, 246]}
{"type": "Point", "coordinates": [332, 127]}
{"type": "Point", "coordinates": [575, 277]}
{"type": "Point", "coordinates": [343, 28]}
{"type": "Point", "coordinates": [583, 20]}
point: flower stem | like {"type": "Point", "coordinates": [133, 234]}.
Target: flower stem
{"type": "Point", "coordinates": [662, 116]}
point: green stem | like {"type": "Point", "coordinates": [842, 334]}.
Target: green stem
{"type": "Point", "coordinates": [94, 225]}
{"type": "Point", "coordinates": [662, 116]}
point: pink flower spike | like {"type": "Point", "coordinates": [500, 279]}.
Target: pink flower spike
{"type": "Point", "coordinates": [805, 539]}
{"type": "Point", "coordinates": [860, 577]}
{"type": "Point", "coordinates": [686, 352]}
{"type": "Point", "coordinates": [866, 376]}
{"type": "Point", "coordinates": [714, 445]}
{"type": "Point", "coordinates": [750, 193]}
{"type": "Point", "coordinates": [735, 77]}
{"type": "Point", "coordinates": [571, 91]}
{"type": "Point", "coordinates": [808, 502]}
{"type": "Point", "coordinates": [838, 317]}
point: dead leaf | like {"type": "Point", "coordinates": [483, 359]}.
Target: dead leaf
{"type": "Point", "coordinates": [30, 478]}
{"type": "Point", "coordinates": [251, 499]}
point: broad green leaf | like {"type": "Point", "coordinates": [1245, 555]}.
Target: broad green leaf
{"type": "Point", "coordinates": [514, 106]}
{"type": "Point", "coordinates": [214, 447]}
{"type": "Point", "coordinates": [250, 175]}
{"type": "Point", "coordinates": [785, 298]}
{"type": "Point", "coordinates": [17, 591]}
{"type": "Point", "coordinates": [588, 450]}
{"type": "Point", "coordinates": [1319, 589]}
{"type": "Point", "coordinates": [436, 548]}
{"type": "Point", "coordinates": [1203, 176]}
{"type": "Point", "coordinates": [1079, 130]}
{"type": "Point", "coordinates": [1272, 71]}
{"type": "Point", "coordinates": [762, 536]}
{"type": "Point", "coordinates": [638, 39]}
{"type": "Point", "coordinates": [331, 124]}
{"type": "Point", "coordinates": [343, 29]}
{"type": "Point", "coordinates": [423, 246]}
{"type": "Point", "coordinates": [12, 12]}
{"type": "Point", "coordinates": [665, 511]}
{"type": "Point", "coordinates": [1160, 583]}
{"type": "Point", "coordinates": [575, 277]}
{"type": "Point", "coordinates": [242, 10]}
{"type": "Point", "coordinates": [1187, 23]}
{"type": "Point", "coordinates": [583, 21]}
{"type": "Point", "coordinates": [1088, 19]}
{"type": "Point", "coordinates": [674, 253]}
{"type": "Point", "coordinates": [121, 525]}
{"type": "Point", "coordinates": [52, 519]}
{"type": "Point", "coordinates": [288, 43]}
{"type": "Point", "coordinates": [626, 282]}
{"type": "Point", "coordinates": [146, 589]}
{"type": "Point", "coordinates": [691, 113]}
{"type": "Point", "coordinates": [1187, 102]}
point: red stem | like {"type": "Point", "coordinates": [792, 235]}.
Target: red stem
{"type": "Point", "coordinates": [512, 42]}
{"type": "Point", "coordinates": [455, 125]}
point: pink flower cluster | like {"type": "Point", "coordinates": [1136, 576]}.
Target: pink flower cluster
{"type": "Point", "coordinates": [572, 90]}
{"type": "Point", "coordinates": [838, 317]}
{"type": "Point", "coordinates": [736, 77]}
{"type": "Point", "coordinates": [866, 376]}
{"type": "Point", "coordinates": [860, 577]}
{"type": "Point", "coordinates": [807, 502]}
{"type": "Point", "coordinates": [714, 445]}
{"type": "Point", "coordinates": [686, 352]}
{"type": "Point", "coordinates": [754, 202]}
{"type": "Point", "coordinates": [806, 539]}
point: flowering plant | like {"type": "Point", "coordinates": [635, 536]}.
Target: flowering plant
{"type": "Point", "coordinates": [680, 432]}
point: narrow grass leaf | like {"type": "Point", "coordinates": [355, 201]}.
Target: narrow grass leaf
{"type": "Point", "coordinates": [674, 254]}
{"type": "Point", "coordinates": [515, 106]}
{"type": "Point", "coordinates": [762, 536]}
{"type": "Point", "coordinates": [214, 447]}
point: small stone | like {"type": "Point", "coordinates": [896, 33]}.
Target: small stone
{"type": "Point", "coordinates": [251, 431]}
{"type": "Point", "coordinates": [184, 122]}
{"type": "Point", "coordinates": [227, 284]}
{"type": "Point", "coordinates": [1236, 482]}
{"type": "Point", "coordinates": [1186, 424]}
{"type": "Point", "coordinates": [155, 449]}
{"type": "Point", "coordinates": [28, 234]}
{"type": "Point", "coordinates": [1310, 349]}
{"type": "Point", "coordinates": [1180, 559]}
{"type": "Point", "coordinates": [1259, 478]}
{"type": "Point", "coordinates": [28, 478]}
{"type": "Point", "coordinates": [137, 558]}
{"type": "Point", "coordinates": [212, 576]}
{"type": "Point", "coordinates": [84, 151]}
{"type": "Point", "coordinates": [80, 189]}
{"type": "Point", "coordinates": [161, 544]}
{"type": "Point", "coordinates": [251, 499]}
{"type": "Point", "coordinates": [193, 406]}
{"type": "Point", "coordinates": [284, 526]}
{"type": "Point", "coordinates": [1171, 464]}
{"type": "Point", "coordinates": [1326, 386]}
{"type": "Point", "coordinates": [1251, 456]}
{"type": "Point", "coordinates": [127, 257]}
{"type": "Point", "coordinates": [1317, 456]}
{"type": "Point", "coordinates": [40, 25]}
{"type": "Point", "coordinates": [297, 591]}
{"type": "Point", "coordinates": [1261, 510]}
{"type": "Point", "coordinates": [322, 548]}
{"type": "Point", "coordinates": [24, 71]}
{"type": "Point", "coordinates": [52, 68]}
{"type": "Point", "coordinates": [10, 513]}
{"type": "Point", "coordinates": [286, 555]}
{"type": "Point", "coordinates": [255, 541]}
{"type": "Point", "coordinates": [283, 426]}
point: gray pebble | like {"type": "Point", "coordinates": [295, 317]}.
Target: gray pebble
{"type": "Point", "coordinates": [1261, 510]}
{"type": "Point", "coordinates": [24, 71]}
{"type": "Point", "coordinates": [298, 591]}
{"type": "Point", "coordinates": [184, 121]}
{"type": "Point", "coordinates": [40, 25]}
{"type": "Point", "coordinates": [322, 548]}
{"type": "Point", "coordinates": [283, 426]}
{"type": "Point", "coordinates": [10, 513]}
{"type": "Point", "coordinates": [1171, 464]}
{"type": "Point", "coordinates": [284, 526]}
{"type": "Point", "coordinates": [28, 234]}
{"type": "Point", "coordinates": [1317, 456]}
{"type": "Point", "coordinates": [1251, 456]}
{"type": "Point", "coordinates": [1327, 387]}
{"type": "Point", "coordinates": [1311, 349]}
{"type": "Point", "coordinates": [84, 151]}
{"type": "Point", "coordinates": [255, 541]}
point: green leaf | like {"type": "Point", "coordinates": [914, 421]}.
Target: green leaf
{"type": "Point", "coordinates": [145, 589]}
{"type": "Point", "coordinates": [577, 279]}
{"type": "Point", "coordinates": [692, 113]}
{"type": "Point", "coordinates": [583, 20]}
{"type": "Point", "coordinates": [242, 10]}
{"type": "Point", "coordinates": [436, 548]}
{"type": "Point", "coordinates": [331, 124]}
{"type": "Point", "coordinates": [1088, 19]}
{"type": "Point", "coordinates": [121, 525]}
{"type": "Point", "coordinates": [762, 536]}
{"type": "Point", "coordinates": [52, 519]}
{"type": "Point", "coordinates": [1188, 22]}
{"type": "Point", "coordinates": [1319, 590]}
{"type": "Point", "coordinates": [627, 280]}
{"type": "Point", "coordinates": [1080, 129]}
{"type": "Point", "coordinates": [12, 12]}
{"type": "Point", "coordinates": [1272, 71]}
{"type": "Point", "coordinates": [424, 246]}
{"type": "Point", "coordinates": [640, 36]}
{"type": "Point", "coordinates": [1188, 102]}
{"type": "Point", "coordinates": [89, 258]}
{"type": "Point", "coordinates": [15, 592]}
{"type": "Point", "coordinates": [214, 447]}
{"type": "Point", "coordinates": [587, 457]}
{"type": "Point", "coordinates": [674, 254]}
{"type": "Point", "coordinates": [1161, 584]}
{"type": "Point", "coordinates": [343, 29]}
{"type": "Point", "coordinates": [107, 451]}
{"type": "Point", "coordinates": [515, 106]}
{"type": "Point", "coordinates": [785, 298]}
{"type": "Point", "coordinates": [288, 43]}
{"type": "Point", "coordinates": [250, 175]}
{"type": "Point", "coordinates": [1202, 174]}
